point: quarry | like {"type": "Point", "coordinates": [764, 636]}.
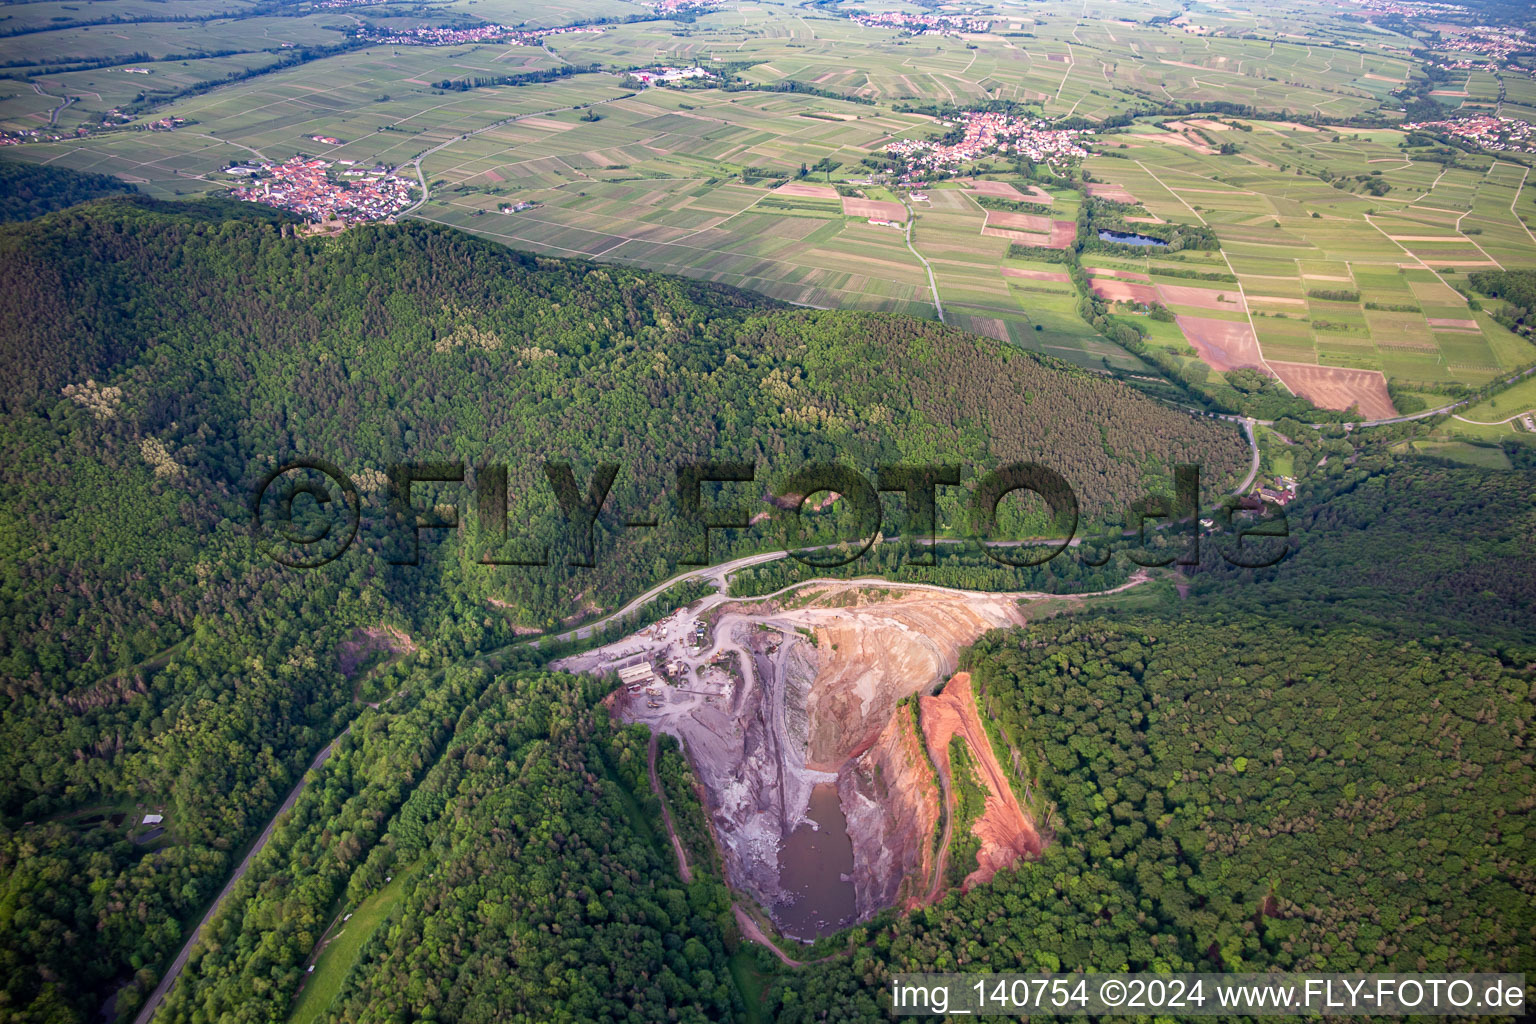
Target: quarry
{"type": "Point", "coordinates": [818, 722]}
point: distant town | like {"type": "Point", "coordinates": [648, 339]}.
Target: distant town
{"type": "Point", "coordinates": [991, 133]}
{"type": "Point", "coordinates": [113, 120]}
{"type": "Point", "coordinates": [922, 24]}
{"type": "Point", "coordinates": [1486, 48]}
{"type": "Point", "coordinates": [1402, 9]}
{"type": "Point", "coordinates": [432, 35]}
{"type": "Point", "coordinates": [682, 6]}
{"type": "Point", "coordinates": [322, 190]}
{"type": "Point", "coordinates": [1505, 134]}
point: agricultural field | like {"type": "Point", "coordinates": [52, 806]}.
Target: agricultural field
{"type": "Point", "coordinates": [1343, 249]}
{"type": "Point", "coordinates": [1360, 288]}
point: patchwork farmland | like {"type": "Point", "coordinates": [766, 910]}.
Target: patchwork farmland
{"type": "Point", "coordinates": [1342, 248]}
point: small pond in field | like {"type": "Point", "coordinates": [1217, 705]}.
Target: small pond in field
{"type": "Point", "coordinates": [1129, 239]}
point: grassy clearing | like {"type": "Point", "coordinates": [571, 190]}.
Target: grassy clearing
{"type": "Point", "coordinates": [1480, 455]}
{"type": "Point", "coordinates": [751, 981]}
{"type": "Point", "coordinates": [341, 951]}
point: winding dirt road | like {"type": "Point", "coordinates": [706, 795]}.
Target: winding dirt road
{"type": "Point", "coordinates": [948, 810]}
{"type": "Point", "coordinates": [666, 814]}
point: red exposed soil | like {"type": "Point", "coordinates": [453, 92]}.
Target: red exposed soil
{"type": "Point", "coordinates": [1201, 298]}
{"type": "Point", "coordinates": [1111, 290]}
{"type": "Point", "coordinates": [894, 772]}
{"type": "Point", "coordinates": [1035, 222]}
{"type": "Point", "coordinates": [1114, 193]}
{"type": "Point", "coordinates": [1001, 189]}
{"type": "Point", "coordinates": [1336, 387]}
{"type": "Point", "coordinates": [1005, 830]}
{"type": "Point", "coordinates": [753, 931]}
{"type": "Point", "coordinates": [1035, 275]}
{"type": "Point", "coordinates": [1030, 228]}
{"type": "Point", "coordinates": [799, 188]}
{"type": "Point", "coordinates": [1222, 344]}
{"type": "Point", "coordinates": [1004, 190]}
{"type": "Point", "coordinates": [1022, 237]}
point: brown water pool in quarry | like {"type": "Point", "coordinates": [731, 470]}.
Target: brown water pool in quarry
{"type": "Point", "coordinates": [816, 865]}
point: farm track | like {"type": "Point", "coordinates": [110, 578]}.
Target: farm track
{"type": "Point", "coordinates": [933, 284]}
{"type": "Point", "coordinates": [64, 101]}
{"type": "Point", "coordinates": [1495, 423]}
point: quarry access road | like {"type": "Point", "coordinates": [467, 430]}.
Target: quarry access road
{"type": "Point", "coordinates": [947, 809]}
{"type": "Point", "coordinates": [683, 869]}
{"type": "Point", "coordinates": [715, 574]}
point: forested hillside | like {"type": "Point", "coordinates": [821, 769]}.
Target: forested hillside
{"type": "Point", "coordinates": [1230, 794]}
{"type": "Point", "coordinates": [530, 871]}
{"type": "Point", "coordinates": [30, 190]}
{"type": "Point", "coordinates": [1428, 547]}
{"type": "Point", "coordinates": [161, 357]}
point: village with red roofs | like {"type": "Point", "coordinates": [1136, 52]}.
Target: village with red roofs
{"type": "Point", "coordinates": [1501, 134]}
{"type": "Point", "coordinates": [433, 35]}
{"type": "Point", "coordinates": [987, 132]}
{"type": "Point", "coordinates": [321, 190]}
{"type": "Point", "coordinates": [922, 24]}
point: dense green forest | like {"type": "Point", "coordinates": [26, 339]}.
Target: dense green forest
{"type": "Point", "coordinates": [1426, 547]}
{"type": "Point", "coordinates": [1518, 290]}
{"type": "Point", "coordinates": [535, 872]}
{"type": "Point", "coordinates": [162, 357]}
{"type": "Point", "coordinates": [31, 190]}
{"type": "Point", "coordinates": [548, 857]}
{"type": "Point", "coordinates": [1321, 765]}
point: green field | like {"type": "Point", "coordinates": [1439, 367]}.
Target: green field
{"type": "Point", "coordinates": [1293, 238]}
{"type": "Point", "coordinates": [341, 949]}
{"type": "Point", "coordinates": [1516, 400]}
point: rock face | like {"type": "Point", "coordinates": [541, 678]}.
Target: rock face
{"type": "Point", "coordinates": [820, 682]}
{"type": "Point", "coordinates": [879, 648]}
{"type": "Point", "coordinates": [891, 798]}
{"type": "Point", "coordinates": [752, 763]}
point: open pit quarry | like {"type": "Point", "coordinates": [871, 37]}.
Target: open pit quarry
{"type": "Point", "coordinates": [789, 710]}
